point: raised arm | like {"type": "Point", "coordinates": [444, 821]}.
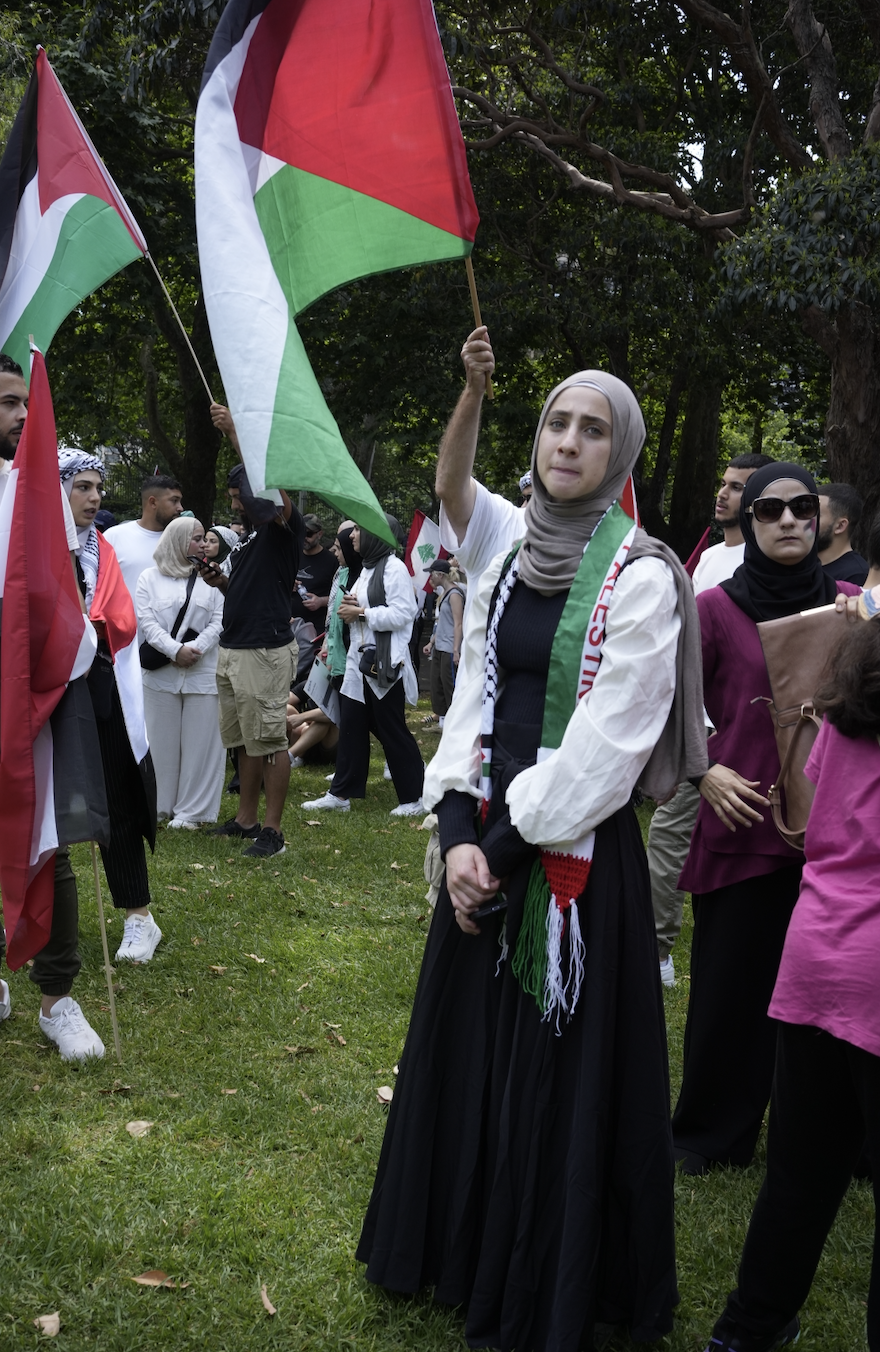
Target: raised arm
{"type": "Point", "coordinates": [453, 483]}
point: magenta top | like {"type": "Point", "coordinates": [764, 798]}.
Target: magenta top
{"type": "Point", "coordinates": [828, 976]}
{"type": "Point", "coordinates": [735, 675]}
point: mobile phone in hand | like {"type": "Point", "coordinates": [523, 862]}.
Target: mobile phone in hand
{"type": "Point", "coordinates": [499, 904]}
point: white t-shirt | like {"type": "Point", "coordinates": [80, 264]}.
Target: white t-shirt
{"type": "Point", "coordinates": [494, 527]}
{"type": "Point", "coordinates": [134, 548]}
{"type": "Point", "coordinates": [717, 565]}
{"type": "Point", "coordinates": [69, 523]}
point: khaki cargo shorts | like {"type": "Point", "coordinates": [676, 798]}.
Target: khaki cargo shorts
{"type": "Point", "coordinates": [253, 685]}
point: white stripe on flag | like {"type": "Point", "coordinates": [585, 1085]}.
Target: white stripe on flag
{"type": "Point", "coordinates": [34, 242]}
{"type": "Point", "coordinates": [44, 839]}
{"type": "Point", "coordinates": [130, 684]}
{"type": "Point", "coordinates": [7, 502]}
{"type": "Point", "coordinates": [247, 309]}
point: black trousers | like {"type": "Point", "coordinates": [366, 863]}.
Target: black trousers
{"type": "Point", "coordinates": [125, 860]}
{"type": "Point", "coordinates": [387, 720]}
{"type": "Point", "coordinates": [826, 1095]}
{"type": "Point", "coordinates": [56, 965]}
{"type": "Point", "coordinates": [729, 1041]}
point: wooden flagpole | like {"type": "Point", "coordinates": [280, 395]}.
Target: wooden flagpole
{"type": "Point", "coordinates": [107, 967]}
{"type": "Point", "coordinates": [149, 256]}
{"type": "Point", "coordinates": [475, 302]}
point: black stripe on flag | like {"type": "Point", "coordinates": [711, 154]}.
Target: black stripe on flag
{"type": "Point", "coordinates": [17, 168]}
{"type": "Point", "coordinates": [237, 17]}
{"type": "Point", "coordinates": [80, 793]}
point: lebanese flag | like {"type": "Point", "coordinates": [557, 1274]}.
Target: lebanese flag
{"type": "Point", "coordinates": [423, 547]}
{"type": "Point", "coordinates": [46, 642]}
{"type": "Point", "coordinates": [112, 606]}
{"type": "Point", "coordinates": [327, 147]}
{"type": "Point", "coordinates": [64, 225]}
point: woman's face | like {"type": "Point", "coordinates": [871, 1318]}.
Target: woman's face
{"type": "Point", "coordinates": [575, 444]}
{"type": "Point", "coordinates": [786, 540]}
{"type": "Point", "coordinates": [85, 497]}
{"type": "Point", "coordinates": [197, 542]}
{"type": "Point", "coordinates": [356, 539]}
{"type": "Point", "coordinates": [212, 545]}
{"type": "Point", "coordinates": [336, 550]}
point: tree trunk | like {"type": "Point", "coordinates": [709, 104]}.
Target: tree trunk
{"type": "Point", "coordinates": [652, 492]}
{"type": "Point", "coordinates": [696, 470]}
{"type": "Point", "coordinates": [852, 341]}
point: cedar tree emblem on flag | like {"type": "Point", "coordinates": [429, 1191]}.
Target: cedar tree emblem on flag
{"type": "Point", "coordinates": [64, 225]}
{"type": "Point", "coordinates": [327, 148]}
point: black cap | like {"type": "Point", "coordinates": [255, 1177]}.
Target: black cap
{"type": "Point", "coordinates": [438, 566]}
{"type": "Point", "coordinates": [312, 523]}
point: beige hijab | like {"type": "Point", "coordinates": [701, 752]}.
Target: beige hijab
{"type": "Point", "coordinates": [558, 532]}
{"type": "Point", "coordinates": [556, 536]}
{"type": "Point", "coordinates": [171, 551]}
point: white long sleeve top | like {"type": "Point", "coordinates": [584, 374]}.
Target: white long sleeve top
{"type": "Point", "coordinates": [157, 600]}
{"type": "Point", "coordinates": [396, 615]}
{"type": "Point", "coordinates": [611, 733]}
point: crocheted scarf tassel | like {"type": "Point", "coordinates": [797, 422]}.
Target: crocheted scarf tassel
{"type": "Point", "coordinates": [530, 955]}
{"type": "Point", "coordinates": [538, 963]}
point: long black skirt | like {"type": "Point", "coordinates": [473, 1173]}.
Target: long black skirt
{"type": "Point", "coordinates": [528, 1176]}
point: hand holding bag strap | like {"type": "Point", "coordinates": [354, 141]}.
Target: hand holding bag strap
{"type": "Point", "coordinates": [191, 582]}
{"type": "Point", "coordinates": [153, 659]}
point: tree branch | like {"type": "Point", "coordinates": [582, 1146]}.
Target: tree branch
{"type": "Point", "coordinates": [746, 57]}
{"type": "Point", "coordinates": [814, 45]}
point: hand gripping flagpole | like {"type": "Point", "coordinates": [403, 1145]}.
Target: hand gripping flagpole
{"type": "Point", "coordinates": [475, 302]}
{"type": "Point", "coordinates": [107, 968]}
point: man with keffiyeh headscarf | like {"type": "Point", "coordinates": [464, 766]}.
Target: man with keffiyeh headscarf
{"type": "Point", "coordinates": [118, 700]}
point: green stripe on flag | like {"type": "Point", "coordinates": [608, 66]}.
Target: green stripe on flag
{"type": "Point", "coordinates": [306, 450]}
{"type": "Point", "coordinates": [321, 234]}
{"type": "Point", "coordinates": [93, 245]}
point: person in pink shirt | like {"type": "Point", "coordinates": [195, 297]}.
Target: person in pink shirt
{"type": "Point", "coordinates": [826, 1091]}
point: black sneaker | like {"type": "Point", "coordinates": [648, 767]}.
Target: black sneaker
{"type": "Point", "coordinates": [232, 828]}
{"type": "Point", "coordinates": [267, 843]}
{"type": "Point", "coordinates": [722, 1341]}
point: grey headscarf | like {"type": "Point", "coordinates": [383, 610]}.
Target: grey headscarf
{"type": "Point", "coordinates": [556, 535]}
{"type": "Point", "coordinates": [170, 554]}
{"type": "Point", "coordinates": [70, 464]}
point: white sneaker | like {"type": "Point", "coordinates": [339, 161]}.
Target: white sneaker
{"type": "Point", "coordinates": [330, 778]}
{"type": "Point", "coordinates": [408, 809]}
{"type": "Point", "coordinates": [667, 971]}
{"type": "Point", "coordinates": [5, 1001]}
{"type": "Point", "coordinates": [329, 801]}
{"type": "Point", "coordinates": [140, 939]}
{"type": "Point", "coordinates": [296, 762]}
{"type": "Point", "coordinates": [178, 824]}
{"type": "Point", "coordinates": [71, 1032]}
{"type": "Point", "coordinates": [386, 773]}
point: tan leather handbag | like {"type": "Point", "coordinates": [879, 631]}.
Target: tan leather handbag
{"type": "Point", "coordinates": [797, 650]}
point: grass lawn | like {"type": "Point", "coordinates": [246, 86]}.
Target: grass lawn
{"type": "Point", "coordinates": [255, 1043]}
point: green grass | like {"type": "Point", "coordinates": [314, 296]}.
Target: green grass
{"type": "Point", "coordinates": [269, 1184]}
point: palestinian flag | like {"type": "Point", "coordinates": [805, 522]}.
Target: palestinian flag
{"type": "Point", "coordinates": [46, 643]}
{"type": "Point", "coordinates": [64, 225]}
{"type": "Point", "coordinates": [327, 148]}
{"type": "Point", "coordinates": [422, 548]}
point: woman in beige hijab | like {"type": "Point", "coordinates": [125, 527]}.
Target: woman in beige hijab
{"type": "Point", "coordinates": [527, 1170]}
{"type": "Point", "coordinates": [180, 697]}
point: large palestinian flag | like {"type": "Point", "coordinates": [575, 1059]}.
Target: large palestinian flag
{"type": "Point", "coordinates": [327, 148]}
{"type": "Point", "coordinates": [46, 645]}
{"type": "Point", "coordinates": [64, 225]}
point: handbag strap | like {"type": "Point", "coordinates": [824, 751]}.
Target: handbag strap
{"type": "Point", "coordinates": [795, 838]}
{"type": "Point", "coordinates": [191, 582]}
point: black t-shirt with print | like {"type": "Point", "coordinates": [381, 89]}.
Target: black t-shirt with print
{"type": "Point", "coordinates": [257, 610]}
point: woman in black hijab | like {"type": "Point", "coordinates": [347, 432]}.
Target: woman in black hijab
{"type": "Point", "coordinates": [743, 877]}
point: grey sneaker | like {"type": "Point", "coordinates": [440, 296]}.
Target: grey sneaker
{"type": "Point", "coordinates": [71, 1032]}
{"type": "Point", "coordinates": [415, 809]}
{"type": "Point", "coordinates": [267, 843]}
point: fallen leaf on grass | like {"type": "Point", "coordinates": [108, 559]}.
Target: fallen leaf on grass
{"type": "Point", "coordinates": [336, 1037]}
{"type": "Point", "coordinates": [48, 1324]}
{"type": "Point", "coordinates": [117, 1089]}
{"type": "Point", "coordinates": [315, 823]}
{"type": "Point", "coordinates": [267, 1304]}
{"type": "Point", "coordinates": [195, 941]}
{"type": "Point", "coordinates": [331, 1025]}
{"type": "Point", "coordinates": [254, 956]}
{"type": "Point", "coordinates": [301, 1051]}
{"type": "Point", "coordinates": [155, 1277]}
{"type": "Point", "coordinates": [171, 888]}
{"type": "Point", "coordinates": [36, 1088]}
{"type": "Point", "coordinates": [303, 986]}
{"type": "Point", "coordinates": [228, 1091]}
{"type": "Point", "coordinates": [137, 1129]}
{"type": "Point", "coordinates": [395, 865]}
{"type": "Point", "coordinates": [198, 866]}
{"type": "Point", "coordinates": [308, 879]}
{"type": "Point", "coordinates": [385, 1094]}
{"type": "Point", "coordinates": [218, 971]}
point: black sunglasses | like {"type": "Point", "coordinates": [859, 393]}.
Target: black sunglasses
{"type": "Point", "coordinates": [803, 508]}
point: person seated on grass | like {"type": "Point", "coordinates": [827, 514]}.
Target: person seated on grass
{"type": "Point", "coordinates": [313, 734]}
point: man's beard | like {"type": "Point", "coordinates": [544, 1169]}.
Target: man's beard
{"type": "Point", "coordinates": [7, 449]}
{"type": "Point", "coordinates": [824, 538]}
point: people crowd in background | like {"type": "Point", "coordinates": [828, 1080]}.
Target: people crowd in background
{"type": "Point", "coordinates": [528, 1163]}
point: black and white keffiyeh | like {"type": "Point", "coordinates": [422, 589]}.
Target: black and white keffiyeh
{"type": "Point", "coordinates": [71, 463]}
